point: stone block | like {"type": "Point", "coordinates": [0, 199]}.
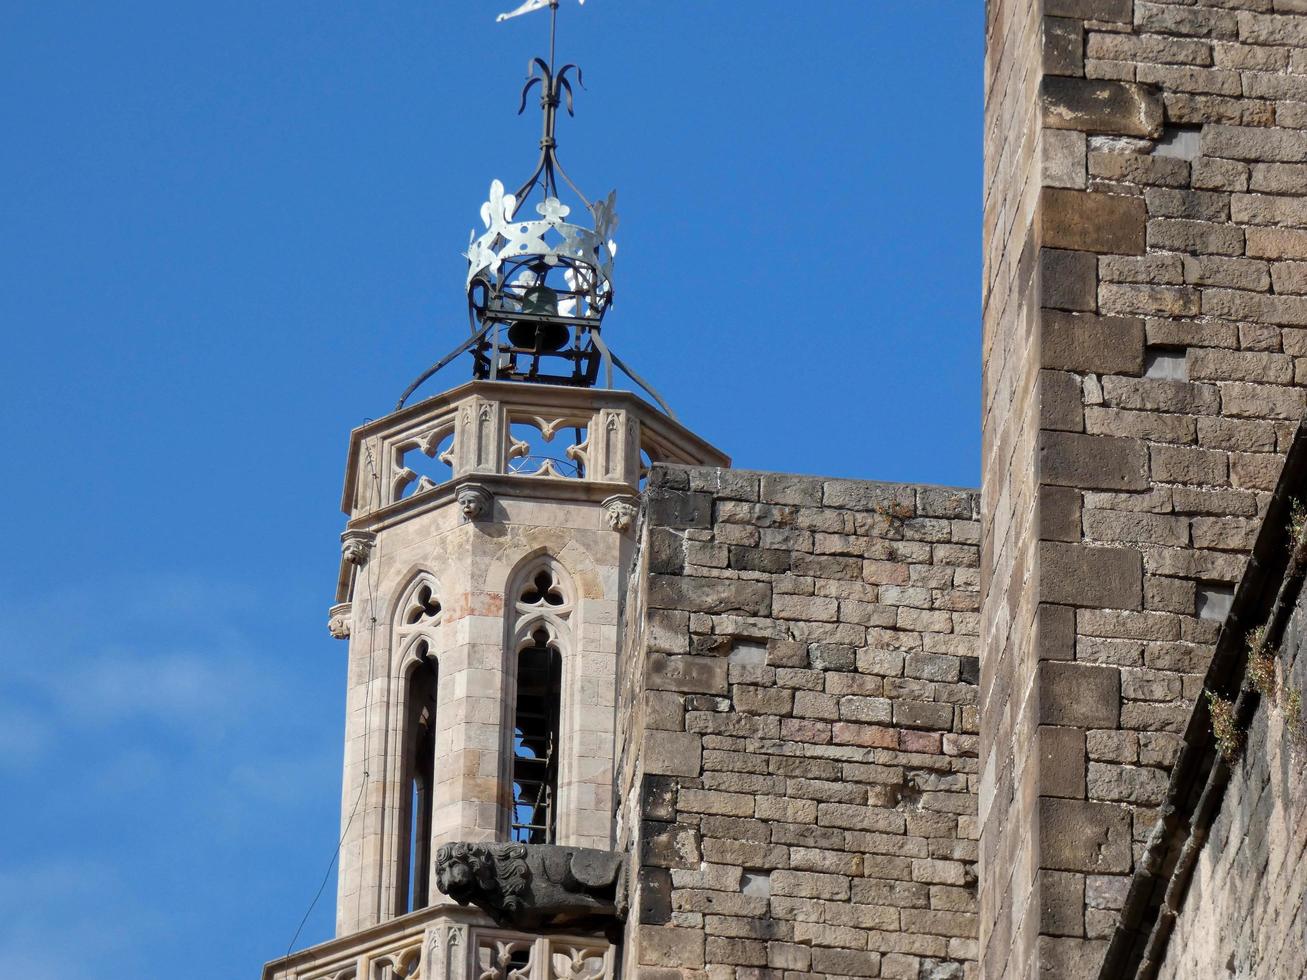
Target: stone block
{"type": "Point", "coordinates": [1278, 178]}
{"type": "Point", "coordinates": [1055, 632]}
{"type": "Point", "coordinates": [1068, 280]}
{"type": "Point", "coordinates": [1069, 959]}
{"type": "Point", "coordinates": [1161, 269]}
{"type": "Point", "coordinates": [1063, 152]}
{"type": "Point", "coordinates": [1267, 209]}
{"type": "Point", "coordinates": [1100, 106]}
{"type": "Point", "coordinates": [1255, 471]}
{"type": "Point", "coordinates": [1063, 47]}
{"type": "Point", "coordinates": [845, 962]}
{"type": "Point", "coordinates": [1263, 401]}
{"type": "Point", "coordinates": [1093, 222]}
{"type": "Point", "coordinates": [676, 508]}
{"type": "Point", "coordinates": [1117, 11]}
{"type": "Point", "coordinates": [711, 595]}
{"type": "Point", "coordinates": [658, 798]}
{"type": "Point", "coordinates": [688, 674]}
{"type": "Point", "coordinates": [1099, 344]}
{"type": "Point", "coordinates": [1082, 835]}
{"type": "Point", "coordinates": [787, 956]}
{"type": "Point", "coordinates": [671, 946]}
{"type": "Point", "coordinates": [1183, 78]}
{"type": "Point", "coordinates": [1123, 165]}
{"type": "Point", "coordinates": [1159, 395]}
{"type": "Point", "coordinates": [1168, 202]}
{"type": "Point", "coordinates": [1254, 143]}
{"type": "Point", "coordinates": [1154, 426]}
{"type": "Point", "coordinates": [1059, 513]}
{"type": "Point", "coordinates": [770, 560]}
{"type": "Point", "coordinates": [1213, 364]}
{"type": "Point", "coordinates": [1185, 464]}
{"type": "Point", "coordinates": [1138, 785]}
{"type": "Point", "coordinates": [655, 907]}
{"type": "Point", "coordinates": [666, 551]}
{"type": "Point", "coordinates": [1148, 47]}
{"type": "Point", "coordinates": [863, 495]}
{"type": "Point", "coordinates": [1277, 243]}
{"type": "Point", "coordinates": [1061, 903]}
{"type": "Point", "coordinates": [1061, 401]}
{"type": "Point", "coordinates": [923, 714]}
{"type": "Point", "coordinates": [1094, 462]}
{"type": "Point", "coordinates": [1220, 175]}
{"type": "Point", "coordinates": [1143, 299]}
{"type": "Point", "coordinates": [788, 488]}
{"type": "Point", "coordinates": [1290, 277]}
{"type": "Point", "coordinates": [946, 502]}
{"type": "Point", "coordinates": [1187, 235]}
{"type": "Point", "coordinates": [1261, 28]}
{"type": "Point", "coordinates": [668, 845]}
{"type": "Point", "coordinates": [1061, 761]}
{"type": "Point", "coordinates": [1079, 695]}
{"type": "Point", "coordinates": [672, 753]}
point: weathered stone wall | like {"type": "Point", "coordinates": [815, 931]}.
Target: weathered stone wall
{"type": "Point", "coordinates": [1009, 430]}
{"type": "Point", "coordinates": [1165, 325]}
{"type": "Point", "coordinates": [1244, 914]}
{"type": "Point", "coordinates": [796, 757]}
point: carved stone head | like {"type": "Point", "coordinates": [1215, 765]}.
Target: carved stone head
{"type": "Point", "coordinates": [620, 511]}
{"type": "Point", "coordinates": [475, 501]}
{"type": "Point", "coordinates": [464, 871]}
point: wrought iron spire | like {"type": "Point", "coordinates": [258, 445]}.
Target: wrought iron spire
{"type": "Point", "coordinates": [538, 287]}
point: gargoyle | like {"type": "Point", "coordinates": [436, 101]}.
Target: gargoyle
{"type": "Point", "coordinates": [533, 885]}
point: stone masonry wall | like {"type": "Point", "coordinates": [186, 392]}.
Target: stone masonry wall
{"type": "Point", "coordinates": [797, 718]}
{"type": "Point", "coordinates": [1009, 431]}
{"type": "Point", "coordinates": [1167, 331]}
{"type": "Point", "coordinates": [1244, 913]}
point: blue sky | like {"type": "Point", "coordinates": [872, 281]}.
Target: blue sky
{"type": "Point", "coordinates": [232, 232]}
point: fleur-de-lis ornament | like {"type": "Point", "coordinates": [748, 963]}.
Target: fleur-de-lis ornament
{"type": "Point", "coordinates": [499, 209]}
{"type": "Point", "coordinates": [605, 214]}
{"type": "Point", "coordinates": [553, 210]}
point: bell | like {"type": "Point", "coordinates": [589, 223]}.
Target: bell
{"type": "Point", "coordinates": [541, 301]}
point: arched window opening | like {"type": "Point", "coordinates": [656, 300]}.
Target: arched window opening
{"type": "Point", "coordinates": [535, 731]}
{"type": "Point", "coordinates": [420, 772]}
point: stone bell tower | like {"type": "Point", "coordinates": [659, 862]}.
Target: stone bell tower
{"type": "Point", "coordinates": [484, 561]}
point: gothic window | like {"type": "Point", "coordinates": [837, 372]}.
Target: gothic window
{"type": "Point", "coordinates": [417, 616]}
{"type": "Point", "coordinates": [535, 740]}
{"type": "Point", "coordinates": [420, 766]}
{"type": "Point", "coordinates": [542, 609]}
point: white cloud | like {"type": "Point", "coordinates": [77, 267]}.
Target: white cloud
{"type": "Point", "coordinates": [62, 918]}
{"type": "Point", "coordinates": [148, 741]}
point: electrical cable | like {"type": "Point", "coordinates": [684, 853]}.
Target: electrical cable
{"type": "Point", "coordinates": [367, 703]}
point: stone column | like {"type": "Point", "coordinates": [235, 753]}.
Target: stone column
{"type": "Point", "coordinates": [1142, 327]}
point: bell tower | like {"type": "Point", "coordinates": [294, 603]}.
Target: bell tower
{"type": "Point", "coordinates": [484, 561]}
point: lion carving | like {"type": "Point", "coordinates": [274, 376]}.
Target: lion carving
{"type": "Point", "coordinates": [530, 885]}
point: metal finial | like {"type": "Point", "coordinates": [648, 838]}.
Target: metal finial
{"type": "Point", "coordinates": [538, 288]}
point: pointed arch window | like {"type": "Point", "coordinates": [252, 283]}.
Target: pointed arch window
{"type": "Point", "coordinates": [418, 616]}
{"type": "Point", "coordinates": [543, 608]}
{"type": "Point", "coordinates": [535, 740]}
{"type": "Point", "coordinates": [420, 772]}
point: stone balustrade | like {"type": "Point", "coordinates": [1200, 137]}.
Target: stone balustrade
{"type": "Point", "coordinates": [487, 429]}
{"type": "Point", "coordinates": [449, 943]}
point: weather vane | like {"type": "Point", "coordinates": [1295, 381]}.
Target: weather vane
{"type": "Point", "coordinates": [538, 287]}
